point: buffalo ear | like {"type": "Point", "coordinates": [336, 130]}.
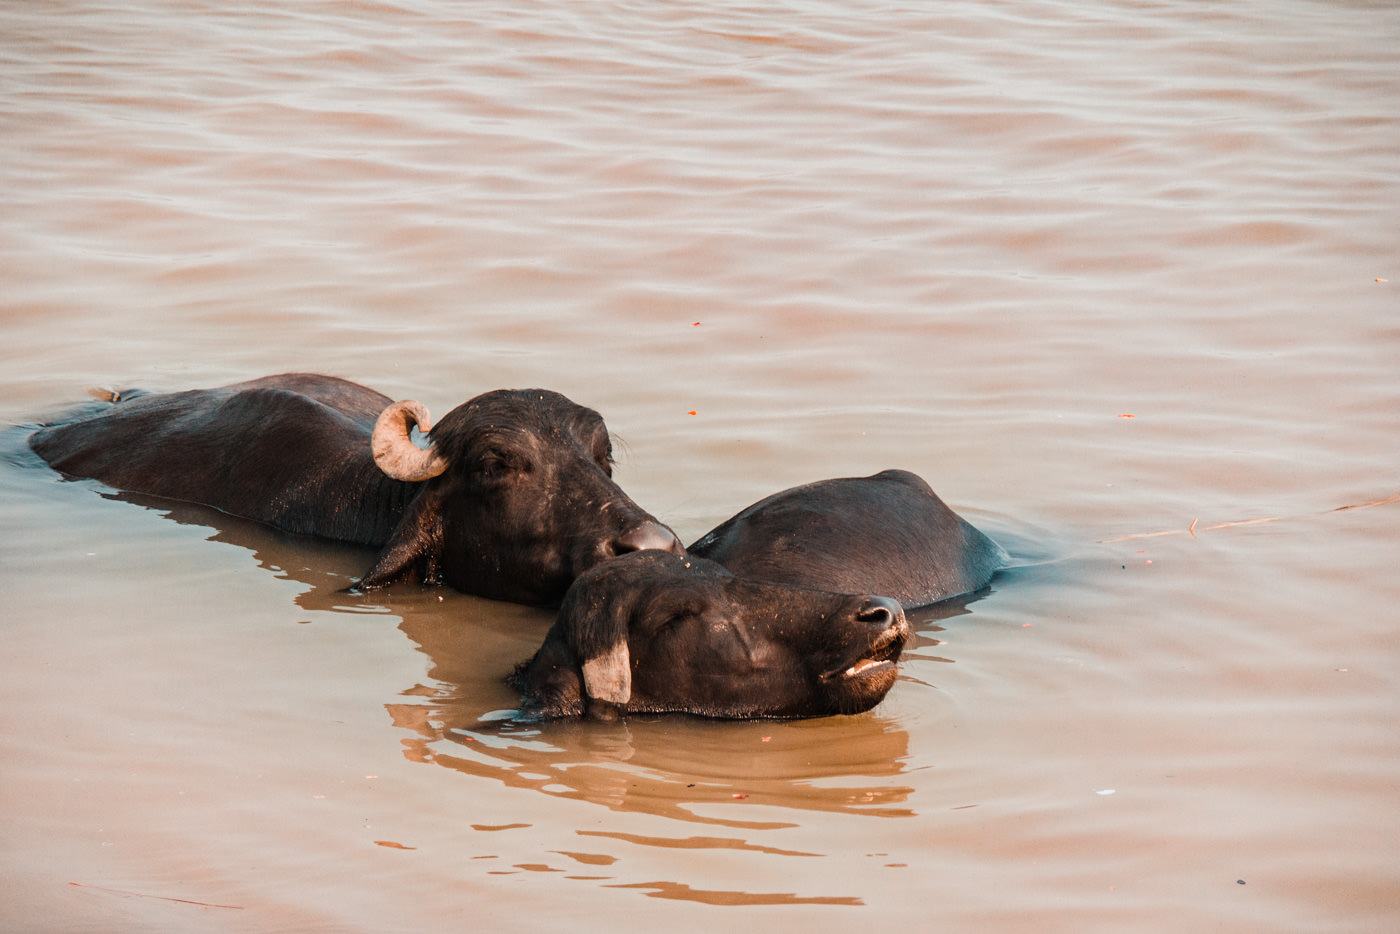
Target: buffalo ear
{"type": "Point", "coordinates": [414, 547]}
{"type": "Point", "coordinates": [608, 676]}
{"type": "Point", "coordinates": [594, 621]}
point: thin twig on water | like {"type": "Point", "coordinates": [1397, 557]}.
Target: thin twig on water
{"type": "Point", "coordinates": [164, 898]}
{"type": "Point", "coordinates": [1191, 529]}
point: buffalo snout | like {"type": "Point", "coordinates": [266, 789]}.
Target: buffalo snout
{"type": "Point", "coordinates": [876, 630]}
{"type": "Point", "coordinates": [647, 535]}
{"type": "Point", "coordinates": [882, 613]}
{"type": "Point", "coordinates": [624, 529]}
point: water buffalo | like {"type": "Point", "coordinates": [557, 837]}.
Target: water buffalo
{"type": "Point", "coordinates": [513, 498]}
{"type": "Point", "coordinates": [664, 633]}
{"type": "Point", "coordinates": [888, 534]}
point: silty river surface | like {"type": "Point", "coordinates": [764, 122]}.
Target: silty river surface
{"type": "Point", "coordinates": [1095, 270]}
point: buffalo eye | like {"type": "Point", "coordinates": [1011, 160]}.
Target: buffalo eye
{"type": "Point", "coordinates": [498, 463]}
{"type": "Point", "coordinates": [603, 453]}
{"type": "Point", "coordinates": [673, 615]}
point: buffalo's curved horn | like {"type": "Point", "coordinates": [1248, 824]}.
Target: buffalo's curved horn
{"type": "Point", "coordinates": [395, 452]}
{"type": "Point", "coordinates": [608, 676]}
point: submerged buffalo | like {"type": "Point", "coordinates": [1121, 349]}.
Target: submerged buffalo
{"type": "Point", "coordinates": [888, 534]}
{"type": "Point", "coordinates": [663, 633]}
{"type": "Point", "coordinates": [513, 498]}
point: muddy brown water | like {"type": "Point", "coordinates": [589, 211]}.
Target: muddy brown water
{"type": "Point", "coordinates": [1095, 270]}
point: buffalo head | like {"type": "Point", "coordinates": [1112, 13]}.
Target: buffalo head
{"type": "Point", "coordinates": [517, 496]}
{"type": "Point", "coordinates": [656, 632]}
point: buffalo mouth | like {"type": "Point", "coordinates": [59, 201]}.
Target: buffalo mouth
{"type": "Point", "coordinates": [877, 663]}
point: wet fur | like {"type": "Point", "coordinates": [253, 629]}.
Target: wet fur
{"type": "Point", "coordinates": [886, 534]}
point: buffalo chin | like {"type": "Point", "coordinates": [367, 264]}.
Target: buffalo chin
{"type": "Point", "coordinates": [860, 685]}
{"type": "Point", "coordinates": [862, 690]}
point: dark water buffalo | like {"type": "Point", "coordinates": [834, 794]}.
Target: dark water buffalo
{"type": "Point", "coordinates": [513, 499]}
{"type": "Point", "coordinates": [888, 534]}
{"type": "Point", "coordinates": [657, 632]}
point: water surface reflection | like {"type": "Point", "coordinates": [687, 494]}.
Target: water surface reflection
{"type": "Point", "coordinates": [465, 717]}
{"type": "Point", "coordinates": [687, 768]}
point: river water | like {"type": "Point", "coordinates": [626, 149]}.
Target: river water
{"type": "Point", "coordinates": [1096, 270]}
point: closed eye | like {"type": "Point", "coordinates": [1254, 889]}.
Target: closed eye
{"type": "Point", "coordinates": [499, 462]}
{"type": "Point", "coordinates": [603, 453]}
{"type": "Point", "coordinates": [673, 616]}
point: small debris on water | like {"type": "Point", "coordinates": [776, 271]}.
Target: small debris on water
{"type": "Point", "coordinates": [1106, 791]}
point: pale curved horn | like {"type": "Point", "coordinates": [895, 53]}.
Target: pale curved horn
{"type": "Point", "coordinates": [395, 452]}
{"type": "Point", "coordinates": [608, 676]}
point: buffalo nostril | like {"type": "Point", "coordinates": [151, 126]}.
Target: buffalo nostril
{"type": "Point", "coordinates": [648, 535]}
{"type": "Point", "coordinates": [881, 612]}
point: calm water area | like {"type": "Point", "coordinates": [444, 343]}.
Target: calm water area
{"type": "Point", "coordinates": [1117, 277]}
